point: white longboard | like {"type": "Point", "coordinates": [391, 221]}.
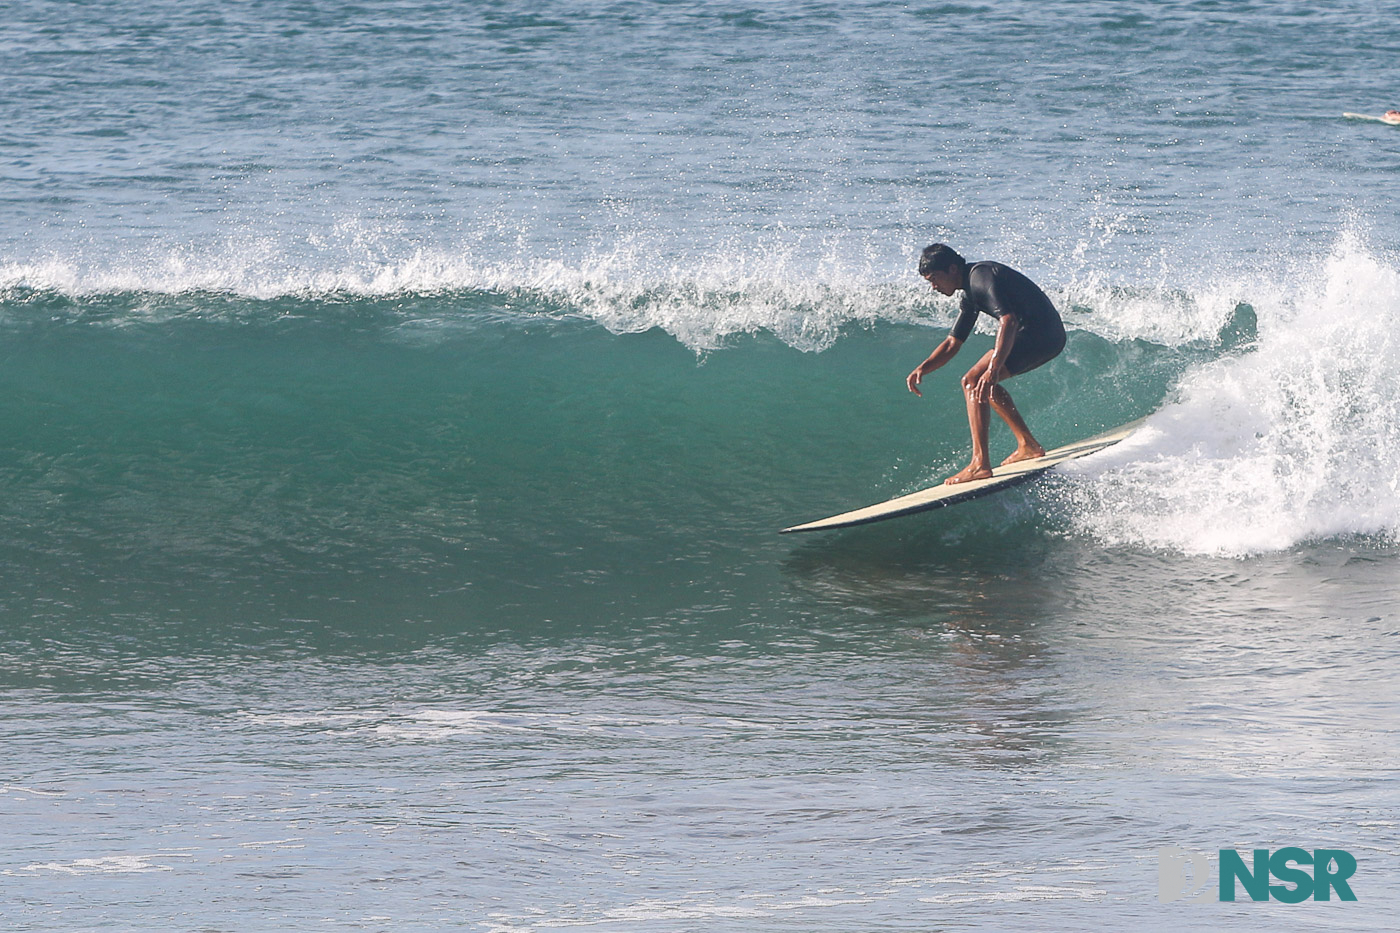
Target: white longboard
{"type": "Point", "coordinates": [1389, 121]}
{"type": "Point", "coordinates": [1003, 477]}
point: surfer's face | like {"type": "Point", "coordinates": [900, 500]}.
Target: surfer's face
{"type": "Point", "coordinates": [945, 281]}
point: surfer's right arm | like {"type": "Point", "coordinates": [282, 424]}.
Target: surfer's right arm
{"type": "Point", "coordinates": [944, 352]}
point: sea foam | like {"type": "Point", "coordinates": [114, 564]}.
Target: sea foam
{"type": "Point", "coordinates": [1297, 438]}
{"type": "Point", "coordinates": [804, 289]}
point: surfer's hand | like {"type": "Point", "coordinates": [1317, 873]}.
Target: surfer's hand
{"type": "Point", "coordinates": [982, 392]}
{"type": "Point", "coordinates": [914, 379]}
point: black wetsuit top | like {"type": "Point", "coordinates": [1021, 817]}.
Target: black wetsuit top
{"type": "Point", "coordinates": [995, 289]}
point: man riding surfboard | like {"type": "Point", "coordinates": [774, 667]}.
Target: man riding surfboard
{"type": "Point", "coordinates": [1030, 333]}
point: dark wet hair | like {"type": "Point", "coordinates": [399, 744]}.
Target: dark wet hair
{"type": "Point", "coordinates": [938, 257]}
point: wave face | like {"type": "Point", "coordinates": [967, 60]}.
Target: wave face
{"type": "Point", "coordinates": [458, 415]}
{"type": "Point", "coordinates": [643, 272]}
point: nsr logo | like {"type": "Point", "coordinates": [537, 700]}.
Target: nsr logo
{"type": "Point", "coordinates": [1186, 875]}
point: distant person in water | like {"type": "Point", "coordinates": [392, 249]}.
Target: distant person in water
{"type": "Point", "coordinates": [1029, 333]}
{"type": "Point", "coordinates": [1391, 116]}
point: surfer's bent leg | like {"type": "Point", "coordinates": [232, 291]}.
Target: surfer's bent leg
{"type": "Point", "coordinates": [977, 420]}
{"type": "Point", "coordinates": [1033, 348]}
{"type": "Point", "coordinates": [1027, 447]}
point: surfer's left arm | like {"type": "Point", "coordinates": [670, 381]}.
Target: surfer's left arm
{"type": "Point", "coordinates": [1006, 339]}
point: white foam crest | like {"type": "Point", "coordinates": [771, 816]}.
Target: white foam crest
{"type": "Point", "coordinates": [711, 299]}
{"type": "Point", "coordinates": [257, 269]}
{"type": "Point", "coordinates": [1159, 312]}
{"type": "Point", "coordinates": [1295, 440]}
{"type": "Point", "coordinates": [803, 296]}
{"type": "Point", "coordinates": [797, 286]}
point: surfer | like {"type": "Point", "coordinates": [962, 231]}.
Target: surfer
{"type": "Point", "coordinates": [1030, 333]}
{"type": "Point", "coordinates": [1391, 116]}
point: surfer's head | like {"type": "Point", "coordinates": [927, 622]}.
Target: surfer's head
{"type": "Point", "coordinates": [943, 267]}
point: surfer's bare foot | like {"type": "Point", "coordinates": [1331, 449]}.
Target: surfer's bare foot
{"type": "Point", "coordinates": [967, 474]}
{"type": "Point", "coordinates": [1024, 453]}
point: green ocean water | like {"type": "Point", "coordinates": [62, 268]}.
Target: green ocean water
{"type": "Point", "coordinates": [473, 611]}
{"type": "Point", "coordinates": [399, 403]}
{"type": "Point", "coordinates": [507, 468]}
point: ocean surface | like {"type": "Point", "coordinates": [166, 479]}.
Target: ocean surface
{"type": "Point", "coordinates": [399, 402]}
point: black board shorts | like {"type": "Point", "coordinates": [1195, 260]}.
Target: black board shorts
{"type": "Point", "coordinates": [1035, 346]}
